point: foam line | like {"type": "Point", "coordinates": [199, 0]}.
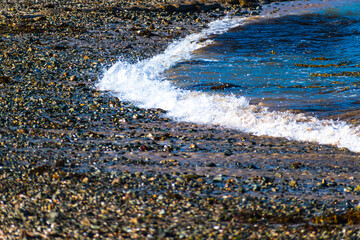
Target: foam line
{"type": "Point", "coordinates": [142, 84]}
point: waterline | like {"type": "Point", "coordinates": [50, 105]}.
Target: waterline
{"type": "Point", "coordinates": [143, 84]}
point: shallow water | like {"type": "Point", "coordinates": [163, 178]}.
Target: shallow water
{"type": "Point", "coordinates": [284, 62]}
{"type": "Point", "coordinates": [214, 82]}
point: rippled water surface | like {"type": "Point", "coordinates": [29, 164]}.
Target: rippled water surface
{"type": "Point", "coordinates": [309, 62]}
{"type": "Point", "coordinates": [297, 55]}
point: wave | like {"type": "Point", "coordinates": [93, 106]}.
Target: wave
{"type": "Point", "coordinates": [142, 83]}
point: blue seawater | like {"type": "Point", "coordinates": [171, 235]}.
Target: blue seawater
{"type": "Point", "coordinates": [301, 55]}
{"type": "Point", "coordinates": [307, 62]}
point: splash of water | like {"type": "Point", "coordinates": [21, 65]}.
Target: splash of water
{"type": "Point", "coordinates": [143, 84]}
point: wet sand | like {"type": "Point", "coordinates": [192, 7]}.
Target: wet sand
{"type": "Point", "coordinates": [77, 163]}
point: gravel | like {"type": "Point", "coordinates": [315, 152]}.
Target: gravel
{"type": "Point", "coordinates": [77, 163]}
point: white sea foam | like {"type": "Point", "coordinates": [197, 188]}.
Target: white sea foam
{"type": "Point", "coordinates": [142, 83]}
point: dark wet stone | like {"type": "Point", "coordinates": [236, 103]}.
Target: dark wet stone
{"type": "Point", "coordinates": [228, 152]}
{"type": "Point", "coordinates": [5, 79]}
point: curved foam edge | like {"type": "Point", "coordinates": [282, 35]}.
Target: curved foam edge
{"type": "Point", "coordinates": [142, 84]}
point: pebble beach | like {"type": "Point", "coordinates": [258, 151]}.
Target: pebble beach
{"type": "Point", "coordinates": [77, 163]}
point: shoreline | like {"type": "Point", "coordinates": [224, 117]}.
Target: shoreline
{"type": "Point", "coordinates": [77, 163]}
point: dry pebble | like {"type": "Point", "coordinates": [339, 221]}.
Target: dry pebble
{"type": "Point", "coordinates": [76, 163]}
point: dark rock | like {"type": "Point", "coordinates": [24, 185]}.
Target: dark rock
{"type": "Point", "coordinates": [5, 79]}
